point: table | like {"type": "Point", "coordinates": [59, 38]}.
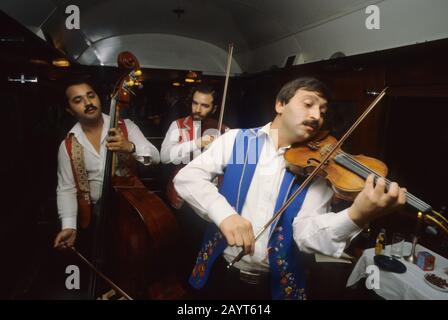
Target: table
{"type": "Point", "coordinates": [406, 286]}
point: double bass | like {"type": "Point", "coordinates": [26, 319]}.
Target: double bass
{"type": "Point", "coordinates": [134, 231]}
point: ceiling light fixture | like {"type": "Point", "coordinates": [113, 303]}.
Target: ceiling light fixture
{"type": "Point", "coordinates": [192, 77]}
{"type": "Point", "coordinates": [61, 62]}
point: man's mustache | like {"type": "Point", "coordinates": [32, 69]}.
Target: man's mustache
{"type": "Point", "coordinates": [90, 107]}
{"type": "Point", "coordinates": [312, 123]}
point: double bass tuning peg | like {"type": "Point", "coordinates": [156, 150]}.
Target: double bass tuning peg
{"type": "Point", "coordinates": [139, 84]}
{"type": "Point", "coordinates": [132, 83]}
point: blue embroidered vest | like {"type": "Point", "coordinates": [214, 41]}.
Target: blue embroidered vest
{"type": "Point", "coordinates": [287, 273]}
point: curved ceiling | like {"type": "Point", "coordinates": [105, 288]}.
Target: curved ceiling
{"type": "Point", "coordinates": [248, 24]}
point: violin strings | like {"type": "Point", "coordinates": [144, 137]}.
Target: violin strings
{"type": "Point", "coordinates": [409, 195]}
{"type": "Point", "coordinates": [413, 200]}
{"type": "Point", "coordinates": [388, 182]}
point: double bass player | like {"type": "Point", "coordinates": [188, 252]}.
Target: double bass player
{"type": "Point", "coordinates": [80, 178]}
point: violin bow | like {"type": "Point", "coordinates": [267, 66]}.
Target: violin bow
{"type": "Point", "coordinates": [312, 174]}
{"type": "Point", "coordinates": [223, 102]}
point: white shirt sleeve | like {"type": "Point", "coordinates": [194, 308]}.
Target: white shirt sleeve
{"type": "Point", "coordinates": [193, 182]}
{"type": "Point", "coordinates": [66, 191]}
{"type": "Point", "coordinates": [143, 148]}
{"type": "Point", "coordinates": [174, 152]}
{"type": "Point", "coordinates": [315, 229]}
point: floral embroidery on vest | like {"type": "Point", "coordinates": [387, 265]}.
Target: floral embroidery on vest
{"type": "Point", "coordinates": [288, 282]}
{"type": "Point", "coordinates": [204, 254]}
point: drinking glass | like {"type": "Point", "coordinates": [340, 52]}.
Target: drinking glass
{"type": "Point", "coordinates": [396, 249]}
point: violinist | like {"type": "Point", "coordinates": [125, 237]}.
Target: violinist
{"type": "Point", "coordinates": [256, 183]}
{"type": "Point", "coordinates": [80, 178]}
{"type": "Point", "coordinates": [184, 140]}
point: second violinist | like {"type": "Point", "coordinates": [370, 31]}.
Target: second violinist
{"type": "Point", "coordinates": [256, 184]}
{"type": "Point", "coordinates": [185, 139]}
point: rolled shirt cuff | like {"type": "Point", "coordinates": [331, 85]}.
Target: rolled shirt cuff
{"type": "Point", "coordinates": [141, 155]}
{"type": "Point", "coordinates": [343, 226]}
{"type": "Point", "coordinates": [68, 223]}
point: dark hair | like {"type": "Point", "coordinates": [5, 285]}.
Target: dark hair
{"type": "Point", "coordinates": [205, 88]}
{"type": "Point", "coordinates": [73, 81]}
{"type": "Point", "coordinates": [308, 83]}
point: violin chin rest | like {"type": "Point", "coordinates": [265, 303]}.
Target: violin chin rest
{"type": "Point", "coordinates": [294, 169]}
{"type": "Point", "coordinates": [304, 171]}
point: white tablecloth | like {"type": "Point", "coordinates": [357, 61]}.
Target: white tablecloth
{"type": "Point", "coordinates": [406, 286]}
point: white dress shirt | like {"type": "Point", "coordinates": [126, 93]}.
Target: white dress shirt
{"type": "Point", "coordinates": [175, 152]}
{"type": "Point", "coordinates": [315, 229]}
{"type": "Point", "coordinates": [94, 162]}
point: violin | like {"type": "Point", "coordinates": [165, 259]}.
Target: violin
{"type": "Point", "coordinates": [210, 126]}
{"type": "Point", "coordinates": [345, 172]}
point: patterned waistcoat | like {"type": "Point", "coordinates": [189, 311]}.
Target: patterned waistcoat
{"type": "Point", "coordinates": [186, 130]}
{"type": "Point", "coordinates": [76, 154]}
